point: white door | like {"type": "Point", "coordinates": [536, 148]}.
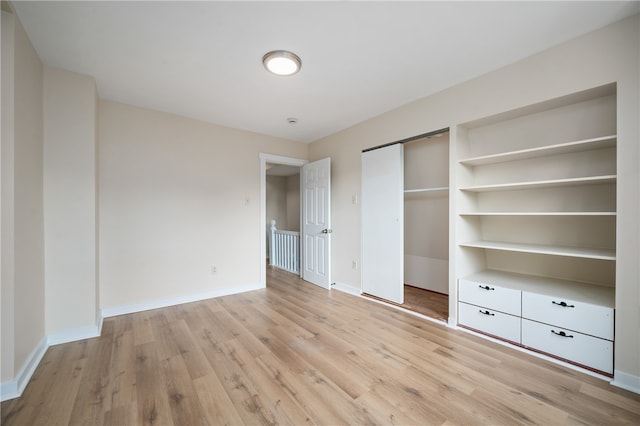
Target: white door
{"type": "Point", "coordinates": [316, 222]}
{"type": "Point", "coordinates": [383, 223]}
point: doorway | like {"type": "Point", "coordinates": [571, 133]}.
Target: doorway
{"type": "Point", "coordinates": [269, 161]}
{"type": "Point", "coordinates": [426, 225]}
{"type": "Point", "coordinates": [283, 217]}
{"type": "Point", "coordinates": [315, 214]}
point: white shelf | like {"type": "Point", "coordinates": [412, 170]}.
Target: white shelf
{"type": "Point", "coordinates": [574, 290]}
{"type": "Point", "coordinates": [563, 148]}
{"type": "Point", "coordinates": [422, 190]}
{"type": "Point", "coordinates": [582, 252]}
{"type": "Point", "coordinates": [590, 180]}
{"type": "Point", "coordinates": [538, 214]}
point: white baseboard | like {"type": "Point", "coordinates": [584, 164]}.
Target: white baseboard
{"type": "Point", "coordinates": [346, 288]}
{"type": "Point", "coordinates": [626, 381]}
{"type": "Point", "coordinates": [14, 388]}
{"type": "Point", "coordinates": [163, 303]}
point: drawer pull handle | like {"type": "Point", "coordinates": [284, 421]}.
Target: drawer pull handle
{"type": "Point", "coordinates": [487, 313]}
{"type": "Point", "coordinates": [563, 304]}
{"type": "Point", "coordinates": [561, 333]}
{"type": "Point", "coordinates": [486, 287]}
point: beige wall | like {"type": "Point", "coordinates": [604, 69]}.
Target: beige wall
{"type": "Point", "coordinates": [23, 293]}
{"type": "Point", "coordinates": [70, 201]}
{"type": "Point", "coordinates": [177, 196]}
{"type": "Point", "coordinates": [283, 201]}
{"type": "Point", "coordinates": [276, 198]}
{"type": "Point", "coordinates": [608, 55]}
{"type": "Point", "coordinates": [293, 203]}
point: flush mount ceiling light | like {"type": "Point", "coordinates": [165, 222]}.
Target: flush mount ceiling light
{"type": "Point", "coordinates": [282, 62]}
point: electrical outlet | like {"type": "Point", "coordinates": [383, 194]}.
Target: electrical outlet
{"type": "Point", "coordinates": [354, 264]}
{"type": "Point", "coordinates": [214, 269]}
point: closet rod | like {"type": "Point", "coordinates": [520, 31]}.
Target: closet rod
{"type": "Point", "coordinates": [411, 139]}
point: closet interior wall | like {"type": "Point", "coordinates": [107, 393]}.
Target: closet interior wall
{"type": "Point", "coordinates": [426, 213]}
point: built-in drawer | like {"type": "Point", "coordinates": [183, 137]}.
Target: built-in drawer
{"type": "Point", "coordinates": [577, 347]}
{"type": "Point", "coordinates": [489, 321]}
{"type": "Point", "coordinates": [585, 318]}
{"type": "Point", "coordinates": [490, 296]}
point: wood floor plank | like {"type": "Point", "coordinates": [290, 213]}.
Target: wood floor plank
{"type": "Point", "coordinates": [217, 407]}
{"type": "Point", "coordinates": [184, 403]}
{"type": "Point", "coordinates": [295, 353]}
{"type": "Point", "coordinates": [238, 385]}
{"type": "Point", "coordinates": [194, 359]}
{"type": "Point", "coordinates": [316, 405]}
{"type": "Point", "coordinates": [46, 395]}
{"type": "Point", "coordinates": [93, 397]}
{"type": "Point", "coordinates": [152, 398]}
{"type": "Point", "coordinates": [141, 324]}
{"type": "Point", "coordinates": [284, 409]}
{"type": "Point", "coordinates": [121, 389]}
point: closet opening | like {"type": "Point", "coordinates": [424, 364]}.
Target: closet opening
{"type": "Point", "coordinates": [418, 227]}
{"type": "Point", "coordinates": [426, 225]}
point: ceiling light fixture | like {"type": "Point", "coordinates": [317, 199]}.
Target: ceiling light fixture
{"type": "Point", "coordinates": [282, 62]}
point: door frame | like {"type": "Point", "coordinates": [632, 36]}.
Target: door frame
{"type": "Point", "coordinates": [271, 159]}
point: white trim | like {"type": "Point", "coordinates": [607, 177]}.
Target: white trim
{"type": "Point", "coordinates": [274, 159]}
{"type": "Point", "coordinates": [99, 320]}
{"type": "Point", "coordinates": [346, 288]}
{"type": "Point", "coordinates": [453, 322]}
{"type": "Point", "coordinates": [14, 388]}
{"type": "Point", "coordinates": [163, 303]}
{"type": "Point", "coordinates": [626, 381]}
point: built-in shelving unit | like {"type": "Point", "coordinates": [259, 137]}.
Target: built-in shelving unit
{"type": "Point", "coordinates": [536, 215]}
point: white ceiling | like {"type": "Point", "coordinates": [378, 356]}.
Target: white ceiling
{"type": "Point", "coordinates": [203, 59]}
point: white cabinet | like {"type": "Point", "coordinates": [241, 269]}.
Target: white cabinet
{"type": "Point", "coordinates": [574, 315]}
{"type": "Point", "coordinates": [490, 321]}
{"type": "Point", "coordinates": [536, 213]}
{"type": "Point", "coordinates": [546, 315]}
{"type": "Point", "coordinates": [580, 348]}
{"type": "Point", "coordinates": [489, 295]}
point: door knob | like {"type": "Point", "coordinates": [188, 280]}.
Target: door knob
{"type": "Point", "coordinates": [327, 231]}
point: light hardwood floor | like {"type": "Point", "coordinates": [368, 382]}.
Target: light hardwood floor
{"type": "Point", "coordinates": [297, 354]}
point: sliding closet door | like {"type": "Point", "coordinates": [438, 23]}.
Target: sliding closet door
{"type": "Point", "coordinates": [383, 223]}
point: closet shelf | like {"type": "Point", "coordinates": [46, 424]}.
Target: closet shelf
{"type": "Point", "coordinates": [563, 148]}
{"type": "Point", "coordinates": [420, 190]}
{"type": "Point", "coordinates": [538, 213]}
{"type": "Point", "coordinates": [582, 252]}
{"type": "Point", "coordinates": [590, 180]}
